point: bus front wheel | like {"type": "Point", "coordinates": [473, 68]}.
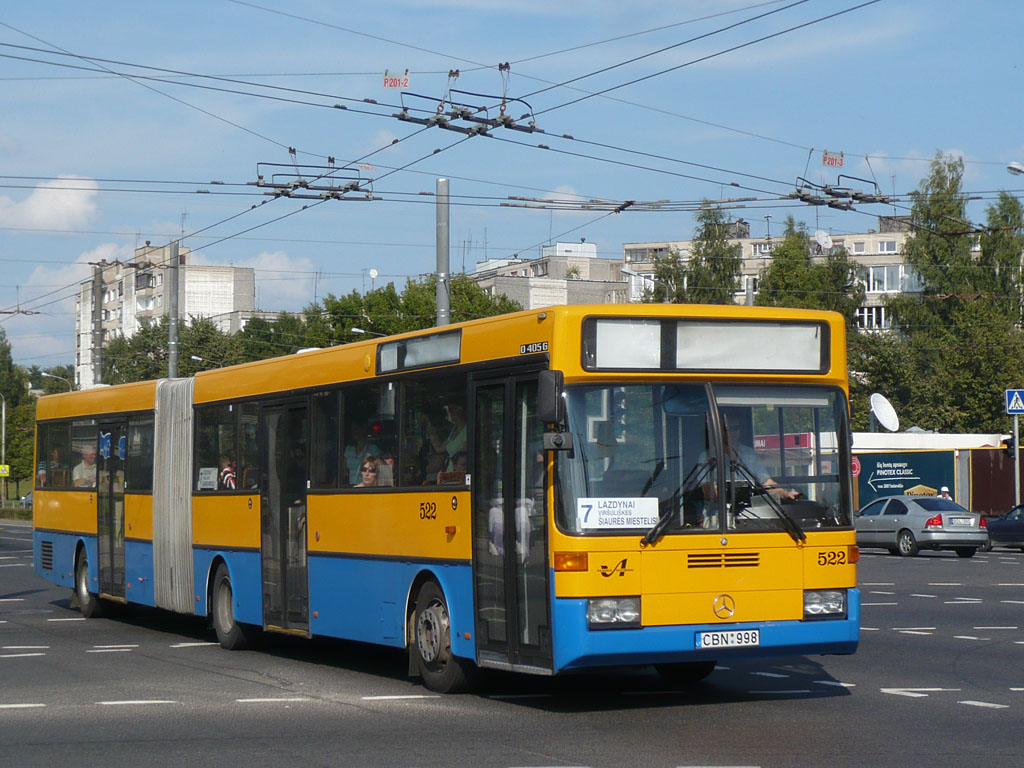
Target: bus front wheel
{"type": "Point", "coordinates": [432, 644]}
{"type": "Point", "coordinates": [232, 635]}
{"type": "Point", "coordinates": [88, 602]}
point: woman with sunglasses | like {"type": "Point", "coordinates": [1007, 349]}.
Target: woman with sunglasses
{"type": "Point", "coordinates": [369, 471]}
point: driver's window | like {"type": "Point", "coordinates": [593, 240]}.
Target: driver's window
{"type": "Point", "coordinates": [873, 508]}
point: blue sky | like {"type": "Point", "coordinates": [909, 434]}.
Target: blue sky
{"type": "Point", "coordinates": [95, 163]}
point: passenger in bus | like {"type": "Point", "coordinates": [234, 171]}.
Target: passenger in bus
{"type": "Point", "coordinates": [369, 469]}
{"type": "Point", "coordinates": [226, 480]}
{"type": "Point", "coordinates": [356, 448]}
{"type": "Point", "coordinates": [84, 473]}
{"type": "Point", "coordinates": [456, 440]}
{"type": "Point", "coordinates": [458, 472]}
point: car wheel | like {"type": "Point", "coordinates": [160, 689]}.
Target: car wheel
{"type": "Point", "coordinates": [232, 635]}
{"type": "Point", "coordinates": [88, 602]}
{"type": "Point", "coordinates": [986, 547]}
{"type": "Point", "coordinates": [431, 646]}
{"type": "Point", "coordinates": [966, 551]}
{"type": "Point", "coordinates": [906, 543]}
{"type": "Point", "coordinates": [685, 673]}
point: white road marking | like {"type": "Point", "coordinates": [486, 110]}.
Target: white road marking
{"type": "Point", "coordinates": [915, 693]}
{"type": "Point", "coordinates": [768, 674]}
{"type": "Point", "coordinates": [1013, 602]}
{"type": "Point", "coordinates": [944, 584]}
{"type": "Point", "coordinates": [879, 584]}
{"type": "Point", "coordinates": [879, 592]}
{"type": "Point", "coordinates": [192, 645]}
{"type": "Point", "coordinates": [994, 627]}
{"type": "Point", "coordinates": [869, 629]}
{"type": "Point", "coordinates": [21, 706]}
{"type": "Point", "coordinates": [25, 647]}
{"type": "Point", "coordinates": [1017, 689]}
{"type": "Point", "coordinates": [964, 601]}
{"type": "Point", "coordinates": [969, 637]}
{"type": "Point", "coordinates": [905, 629]}
{"type": "Point", "coordinates": [19, 655]}
{"type": "Point", "coordinates": [272, 700]}
{"type": "Point", "coordinates": [1010, 585]}
{"type": "Point", "coordinates": [397, 698]}
{"type": "Point", "coordinates": [984, 704]}
{"type": "Point", "coordinates": [12, 599]}
{"type": "Point", "coordinates": [134, 702]}
{"type": "Point", "coordinates": [110, 650]}
{"type": "Point", "coordinates": [836, 683]}
{"type": "Point", "coordinates": [13, 565]}
{"type": "Point", "coordinates": [74, 618]}
{"type": "Point", "coordinates": [879, 604]}
{"type": "Point", "coordinates": [924, 595]}
{"type": "Point", "coordinates": [119, 645]}
{"type": "Point", "coordinates": [914, 632]}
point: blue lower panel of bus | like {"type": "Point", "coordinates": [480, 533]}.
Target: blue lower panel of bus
{"type": "Point", "coordinates": [138, 572]}
{"type": "Point", "coordinates": [245, 570]}
{"type": "Point", "coordinates": [576, 646]}
{"type": "Point", "coordinates": [365, 600]}
{"type": "Point", "coordinates": [61, 548]}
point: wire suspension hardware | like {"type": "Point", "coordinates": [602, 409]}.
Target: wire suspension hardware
{"type": "Point", "coordinates": [295, 184]}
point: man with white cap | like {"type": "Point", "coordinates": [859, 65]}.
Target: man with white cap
{"type": "Point", "coordinates": [944, 492]}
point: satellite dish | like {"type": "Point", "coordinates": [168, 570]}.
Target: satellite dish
{"type": "Point", "coordinates": [824, 239]}
{"type": "Point", "coordinates": [882, 410]}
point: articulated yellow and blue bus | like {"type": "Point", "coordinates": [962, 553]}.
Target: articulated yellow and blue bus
{"type": "Point", "coordinates": [551, 490]}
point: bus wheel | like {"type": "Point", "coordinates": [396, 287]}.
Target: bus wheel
{"type": "Point", "coordinates": [230, 633]}
{"type": "Point", "coordinates": [88, 602]}
{"type": "Point", "coordinates": [685, 672]}
{"type": "Point", "coordinates": [432, 644]}
{"type": "Point", "coordinates": [906, 543]}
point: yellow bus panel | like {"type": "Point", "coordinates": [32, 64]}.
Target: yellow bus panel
{"type": "Point", "coordinates": [229, 521]}
{"type": "Point", "coordinates": [72, 511]}
{"type": "Point", "coordinates": [138, 516]}
{"type": "Point", "coordinates": [698, 607]}
{"type": "Point", "coordinates": [416, 525]}
{"type": "Point", "coordinates": [101, 401]}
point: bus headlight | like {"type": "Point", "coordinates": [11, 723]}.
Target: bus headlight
{"type": "Point", "coordinates": [613, 612]}
{"type": "Point", "coordinates": [824, 603]}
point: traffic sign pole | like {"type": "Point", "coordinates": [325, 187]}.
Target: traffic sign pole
{"type": "Point", "coordinates": [1016, 462]}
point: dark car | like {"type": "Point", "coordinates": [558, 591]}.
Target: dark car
{"type": "Point", "coordinates": [905, 524]}
{"type": "Point", "coordinates": [1008, 530]}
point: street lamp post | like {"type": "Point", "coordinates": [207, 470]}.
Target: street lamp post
{"type": "Point", "coordinates": [45, 375]}
{"type": "Point", "coordinates": [370, 333]}
{"type": "Point", "coordinates": [3, 440]}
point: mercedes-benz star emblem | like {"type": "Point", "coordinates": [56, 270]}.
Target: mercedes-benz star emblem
{"type": "Point", "coordinates": [724, 606]}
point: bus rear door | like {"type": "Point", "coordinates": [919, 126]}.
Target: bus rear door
{"type": "Point", "coordinates": [110, 509]}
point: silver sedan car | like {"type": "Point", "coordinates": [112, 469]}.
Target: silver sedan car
{"type": "Point", "coordinates": [905, 524]}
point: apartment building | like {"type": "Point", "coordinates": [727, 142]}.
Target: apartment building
{"type": "Point", "coordinates": [135, 291]}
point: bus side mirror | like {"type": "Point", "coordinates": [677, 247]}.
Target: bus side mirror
{"type": "Point", "coordinates": [550, 399]}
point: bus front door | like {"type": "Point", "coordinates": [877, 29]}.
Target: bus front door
{"type": "Point", "coordinates": [513, 624]}
{"type": "Point", "coordinates": [110, 509]}
{"type": "Point", "coordinates": [285, 427]}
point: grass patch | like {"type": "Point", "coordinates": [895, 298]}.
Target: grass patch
{"type": "Point", "coordinates": [15, 513]}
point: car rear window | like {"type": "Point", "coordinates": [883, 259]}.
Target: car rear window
{"type": "Point", "coordinates": [938, 504]}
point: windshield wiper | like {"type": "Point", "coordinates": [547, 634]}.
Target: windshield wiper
{"type": "Point", "coordinates": [686, 487]}
{"type": "Point", "coordinates": [788, 523]}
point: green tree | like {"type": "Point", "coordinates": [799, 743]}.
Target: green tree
{"type": "Point", "coordinates": [13, 378]}
{"type": "Point", "coordinates": [711, 274]}
{"type": "Point", "coordinates": [795, 279]}
{"type": "Point", "coordinates": [21, 435]}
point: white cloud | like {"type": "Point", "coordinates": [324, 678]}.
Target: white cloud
{"type": "Point", "coordinates": [65, 203]}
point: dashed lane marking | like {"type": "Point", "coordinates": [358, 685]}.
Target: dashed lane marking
{"type": "Point", "coordinates": [878, 584]}
{"type": "Point", "coordinates": [944, 584]}
{"type": "Point", "coordinates": [135, 702]}
{"type": "Point", "coordinates": [19, 655]}
{"type": "Point", "coordinates": [110, 650]}
{"type": "Point", "coordinates": [924, 595]}
{"type": "Point", "coordinates": [914, 632]}
{"type": "Point", "coordinates": [73, 618]}
{"type": "Point", "coordinates": [14, 565]}
{"type": "Point", "coordinates": [994, 627]}
{"type": "Point", "coordinates": [836, 683]}
{"type": "Point", "coordinates": [400, 697]}
{"type": "Point", "coordinates": [192, 645]}
{"type": "Point", "coordinates": [969, 637]}
{"type": "Point", "coordinates": [768, 674]}
{"type": "Point", "coordinates": [25, 647]}
{"type": "Point", "coordinates": [866, 604]}
{"type": "Point", "coordinates": [915, 693]}
{"type": "Point", "coordinates": [879, 592]}
{"type": "Point", "coordinates": [1013, 602]}
{"type": "Point", "coordinates": [987, 704]}
{"type": "Point", "coordinates": [283, 699]}
{"type": "Point", "coordinates": [12, 599]}
{"type": "Point", "coordinates": [21, 706]}
{"type": "Point", "coordinates": [915, 629]}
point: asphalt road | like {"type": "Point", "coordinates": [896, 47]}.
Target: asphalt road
{"type": "Point", "coordinates": [939, 680]}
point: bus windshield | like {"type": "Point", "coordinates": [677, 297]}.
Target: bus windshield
{"type": "Point", "coordinates": [700, 457]}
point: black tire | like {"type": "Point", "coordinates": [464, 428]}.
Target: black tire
{"type": "Point", "coordinates": [906, 544]}
{"type": "Point", "coordinates": [986, 547]}
{"type": "Point", "coordinates": [685, 673]}
{"type": "Point", "coordinates": [88, 602]}
{"type": "Point", "coordinates": [431, 646]}
{"type": "Point", "coordinates": [232, 635]}
{"type": "Point", "coordinates": [966, 551]}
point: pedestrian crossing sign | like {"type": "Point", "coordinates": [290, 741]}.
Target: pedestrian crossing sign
{"type": "Point", "coordinates": [1015, 402]}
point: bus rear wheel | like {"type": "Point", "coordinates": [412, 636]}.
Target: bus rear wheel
{"type": "Point", "coordinates": [232, 635]}
{"type": "Point", "coordinates": [432, 644]}
{"type": "Point", "coordinates": [685, 673]}
{"type": "Point", "coordinates": [88, 602]}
